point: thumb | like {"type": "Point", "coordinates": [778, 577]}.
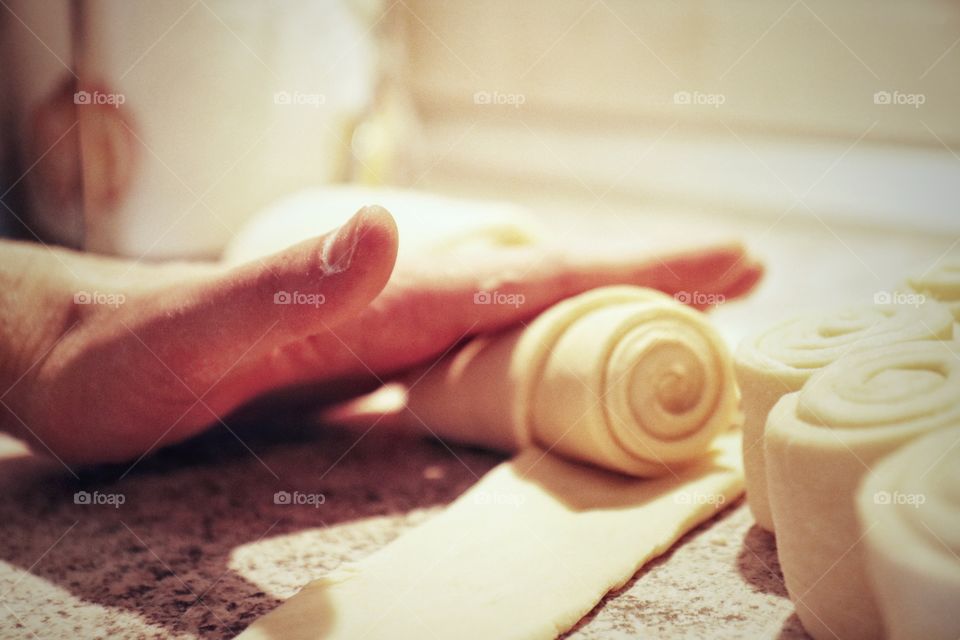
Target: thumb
{"type": "Point", "coordinates": [205, 328]}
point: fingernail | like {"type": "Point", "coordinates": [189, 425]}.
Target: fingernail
{"type": "Point", "coordinates": [339, 247]}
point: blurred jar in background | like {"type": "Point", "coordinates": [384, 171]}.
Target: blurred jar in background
{"type": "Point", "coordinates": [154, 129]}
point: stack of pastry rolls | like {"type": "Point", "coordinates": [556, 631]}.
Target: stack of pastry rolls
{"type": "Point", "coordinates": [851, 444]}
{"type": "Point", "coordinates": [780, 360]}
{"type": "Point", "coordinates": [909, 511]}
{"type": "Point", "coordinates": [821, 443]}
{"type": "Point", "coordinates": [941, 282]}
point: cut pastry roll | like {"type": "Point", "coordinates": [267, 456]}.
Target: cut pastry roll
{"type": "Point", "coordinates": [782, 359]}
{"type": "Point", "coordinates": [625, 378]}
{"type": "Point", "coordinates": [941, 282]}
{"type": "Point", "coordinates": [910, 510]}
{"type": "Point", "coordinates": [820, 443]}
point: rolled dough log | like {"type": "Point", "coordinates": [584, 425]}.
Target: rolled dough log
{"type": "Point", "coordinates": [622, 377]}
{"type": "Point", "coordinates": [941, 282]}
{"type": "Point", "coordinates": [524, 554]}
{"type": "Point", "coordinates": [820, 443]}
{"type": "Point", "coordinates": [426, 222]}
{"type": "Point", "coordinates": [910, 510]}
{"type": "Point", "coordinates": [782, 359]}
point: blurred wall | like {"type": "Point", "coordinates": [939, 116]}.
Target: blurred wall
{"type": "Point", "coordinates": [790, 66]}
{"type": "Point", "coordinates": [843, 110]}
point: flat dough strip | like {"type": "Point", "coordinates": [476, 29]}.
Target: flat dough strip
{"type": "Point", "coordinates": [494, 548]}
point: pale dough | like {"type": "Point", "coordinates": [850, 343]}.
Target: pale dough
{"type": "Point", "coordinates": [781, 359]}
{"type": "Point", "coordinates": [524, 554]}
{"type": "Point", "coordinates": [941, 282]}
{"type": "Point", "coordinates": [820, 443]}
{"type": "Point", "coordinates": [910, 511]}
{"type": "Point", "coordinates": [427, 223]}
{"type": "Point", "coordinates": [622, 377]}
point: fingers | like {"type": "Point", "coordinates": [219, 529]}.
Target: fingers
{"type": "Point", "coordinates": [512, 287]}
{"type": "Point", "coordinates": [204, 329]}
{"type": "Point", "coordinates": [520, 285]}
{"type": "Point", "coordinates": [428, 308]}
{"type": "Point", "coordinates": [747, 278]}
{"type": "Point", "coordinates": [706, 269]}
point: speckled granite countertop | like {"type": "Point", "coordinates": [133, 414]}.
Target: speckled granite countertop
{"type": "Point", "coordinates": [199, 549]}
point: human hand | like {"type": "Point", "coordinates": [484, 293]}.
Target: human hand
{"type": "Point", "coordinates": [167, 350]}
{"type": "Point", "coordinates": [104, 359]}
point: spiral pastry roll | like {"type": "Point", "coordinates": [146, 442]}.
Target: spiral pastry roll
{"type": "Point", "coordinates": [624, 378]}
{"type": "Point", "coordinates": [782, 359]}
{"type": "Point", "coordinates": [910, 510]}
{"type": "Point", "coordinates": [820, 443]}
{"type": "Point", "coordinates": [942, 283]}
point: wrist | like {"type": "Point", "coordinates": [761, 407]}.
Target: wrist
{"type": "Point", "coordinates": [33, 309]}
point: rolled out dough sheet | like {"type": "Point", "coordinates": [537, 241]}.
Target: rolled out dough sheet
{"type": "Point", "coordinates": [524, 554]}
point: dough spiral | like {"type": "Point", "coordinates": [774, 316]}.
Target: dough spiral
{"type": "Point", "coordinates": [624, 378]}
{"type": "Point", "coordinates": [780, 360]}
{"type": "Point", "coordinates": [942, 283]}
{"type": "Point", "coordinates": [820, 443]}
{"type": "Point", "coordinates": [910, 509]}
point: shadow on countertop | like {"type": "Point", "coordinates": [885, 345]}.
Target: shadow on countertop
{"type": "Point", "coordinates": [165, 552]}
{"type": "Point", "coordinates": [758, 564]}
{"type": "Point", "coordinates": [744, 595]}
{"type": "Point", "coordinates": [792, 629]}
